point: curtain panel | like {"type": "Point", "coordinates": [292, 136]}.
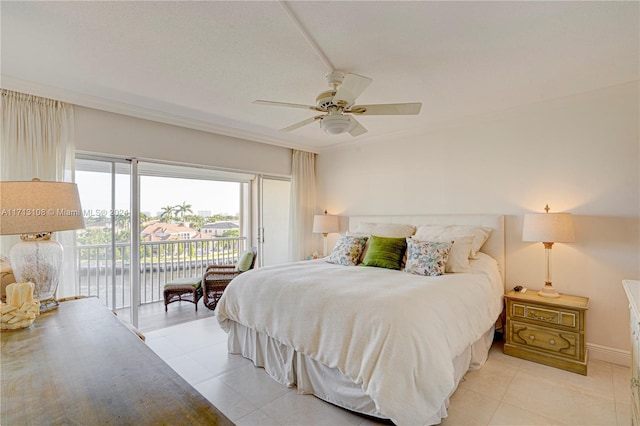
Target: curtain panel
{"type": "Point", "coordinates": [303, 203]}
{"type": "Point", "coordinates": [38, 142]}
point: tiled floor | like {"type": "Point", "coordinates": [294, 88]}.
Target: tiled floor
{"type": "Point", "coordinates": [506, 391]}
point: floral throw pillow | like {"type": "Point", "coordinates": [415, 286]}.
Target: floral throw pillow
{"type": "Point", "coordinates": [427, 257]}
{"type": "Point", "coordinates": [347, 250]}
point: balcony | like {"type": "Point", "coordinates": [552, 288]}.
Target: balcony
{"type": "Point", "coordinates": [106, 276]}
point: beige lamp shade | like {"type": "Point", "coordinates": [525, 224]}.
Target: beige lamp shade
{"type": "Point", "coordinates": [29, 207]}
{"type": "Point", "coordinates": [548, 228]}
{"type": "Point", "coordinates": [325, 224]}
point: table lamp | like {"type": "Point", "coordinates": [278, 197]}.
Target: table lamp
{"type": "Point", "coordinates": [325, 224]}
{"type": "Point", "coordinates": [34, 209]}
{"type": "Point", "coordinates": [548, 228]}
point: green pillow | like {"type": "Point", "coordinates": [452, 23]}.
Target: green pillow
{"type": "Point", "coordinates": [244, 263]}
{"type": "Point", "coordinates": [385, 252]}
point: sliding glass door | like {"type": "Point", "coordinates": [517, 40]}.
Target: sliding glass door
{"type": "Point", "coordinates": [103, 247]}
{"type": "Point", "coordinates": [150, 223]}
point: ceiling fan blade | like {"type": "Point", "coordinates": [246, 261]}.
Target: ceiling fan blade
{"type": "Point", "coordinates": [387, 109]}
{"type": "Point", "coordinates": [302, 123]}
{"type": "Point", "coordinates": [352, 86]}
{"type": "Point", "coordinates": [356, 128]}
{"type": "Point", "coordinates": [286, 104]}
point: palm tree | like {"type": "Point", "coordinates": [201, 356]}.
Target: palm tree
{"type": "Point", "coordinates": [183, 209]}
{"type": "Point", "coordinates": [122, 221]}
{"type": "Point", "coordinates": [143, 219]}
{"type": "Point", "coordinates": [167, 213]}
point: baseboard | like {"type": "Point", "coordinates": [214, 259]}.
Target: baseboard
{"type": "Point", "coordinates": [607, 354]}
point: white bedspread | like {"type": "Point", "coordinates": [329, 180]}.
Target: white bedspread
{"type": "Point", "coordinates": [393, 333]}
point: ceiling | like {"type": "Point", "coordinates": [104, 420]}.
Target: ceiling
{"type": "Point", "coordinates": [201, 64]}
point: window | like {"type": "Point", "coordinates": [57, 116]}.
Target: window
{"type": "Point", "coordinates": [189, 217]}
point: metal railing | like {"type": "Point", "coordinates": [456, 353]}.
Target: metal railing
{"type": "Point", "coordinates": [105, 274]}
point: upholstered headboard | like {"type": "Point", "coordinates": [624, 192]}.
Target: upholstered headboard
{"type": "Point", "coordinates": [494, 247]}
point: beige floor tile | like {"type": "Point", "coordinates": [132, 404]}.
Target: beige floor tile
{"type": "Point", "coordinates": [621, 383]}
{"type": "Point", "coordinates": [491, 380]}
{"type": "Point", "coordinates": [188, 340]}
{"type": "Point", "coordinates": [216, 359]}
{"type": "Point", "coordinates": [623, 413]}
{"type": "Point", "coordinates": [231, 403]}
{"type": "Point", "coordinates": [559, 401]}
{"type": "Point", "coordinates": [163, 346]}
{"type": "Point", "coordinates": [470, 408]}
{"type": "Point", "coordinates": [597, 381]}
{"type": "Point", "coordinates": [510, 415]}
{"type": "Point", "coordinates": [293, 409]}
{"type": "Point", "coordinates": [498, 357]}
{"type": "Point", "coordinates": [254, 384]}
{"type": "Point", "coordinates": [188, 368]}
{"type": "Point", "coordinates": [257, 418]}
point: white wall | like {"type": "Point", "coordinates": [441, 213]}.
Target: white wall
{"type": "Point", "coordinates": [115, 134]}
{"type": "Point", "coordinates": [100, 132]}
{"type": "Point", "coordinates": [580, 154]}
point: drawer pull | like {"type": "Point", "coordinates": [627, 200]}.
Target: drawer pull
{"type": "Point", "coordinates": [552, 342]}
{"type": "Point", "coordinates": [541, 318]}
{"type": "Point", "coordinates": [635, 383]}
{"type": "Point", "coordinates": [532, 337]}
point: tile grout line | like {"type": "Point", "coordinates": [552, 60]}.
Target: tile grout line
{"type": "Point", "coordinates": [504, 393]}
{"type": "Point", "coordinates": [518, 368]}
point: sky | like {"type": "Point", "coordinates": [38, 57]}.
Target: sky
{"type": "Point", "coordinates": [155, 193]}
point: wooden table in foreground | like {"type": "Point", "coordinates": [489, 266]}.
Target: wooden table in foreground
{"type": "Point", "coordinates": [80, 365]}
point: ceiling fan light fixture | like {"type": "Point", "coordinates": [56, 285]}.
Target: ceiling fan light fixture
{"type": "Point", "coordinates": [335, 124]}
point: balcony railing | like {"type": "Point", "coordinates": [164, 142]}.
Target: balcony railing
{"type": "Point", "coordinates": [106, 275]}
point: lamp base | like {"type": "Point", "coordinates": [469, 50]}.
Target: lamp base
{"type": "Point", "coordinates": [324, 249]}
{"type": "Point", "coordinates": [38, 259]}
{"type": "Point", "coordinates": [548, 291]}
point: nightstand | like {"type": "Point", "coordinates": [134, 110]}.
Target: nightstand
{"type": "Point", "coordinates": [546, 330]}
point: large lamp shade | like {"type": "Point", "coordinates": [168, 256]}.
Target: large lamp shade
{"type": "Point", "coordinates": [38, 206]}
{"type": "Point", "coordinates": [34, 209]}
{"type": "Point", "coordinates": [548, 228]}
{"type": "Point", "coordinates": [325, 224]}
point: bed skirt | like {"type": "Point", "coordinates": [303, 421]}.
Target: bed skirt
{"type": "Point", "coordinates": [292, 368]}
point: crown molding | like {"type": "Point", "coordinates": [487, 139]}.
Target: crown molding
{"type": "Point", "coordinates": [95, 102]}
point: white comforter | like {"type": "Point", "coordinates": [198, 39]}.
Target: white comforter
{"type": "Point", "coordinates": [393, 333]}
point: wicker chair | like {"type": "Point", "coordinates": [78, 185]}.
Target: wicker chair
{"type": "Point", "coordinates": [217, 277]}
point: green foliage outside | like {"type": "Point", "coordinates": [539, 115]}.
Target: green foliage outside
{"type": "Point", "coordinates": [98, 228]}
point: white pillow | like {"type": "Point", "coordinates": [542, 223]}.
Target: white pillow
{"type": "Point", "coordinates": [458, 260]}
{"type": "Point", "coordinates": [365, 228]}
{"type": "Point", "coordinates": [429, 232]}
{"type": "Point", "coordinates": [389, 230]}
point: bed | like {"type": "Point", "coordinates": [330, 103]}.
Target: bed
{"type": "Point", "coordinates": [380, 342]}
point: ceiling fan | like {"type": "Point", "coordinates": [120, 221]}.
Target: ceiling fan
{"type": "Point", "coordinates": [338, 106]}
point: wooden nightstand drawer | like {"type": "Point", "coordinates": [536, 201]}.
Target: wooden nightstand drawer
{"type": "Point", "coordinates": [545, 315]}
{"type": "Point", "coordinates": [547, 330]}
{"type": "Point", "coordinates": [552, 341]}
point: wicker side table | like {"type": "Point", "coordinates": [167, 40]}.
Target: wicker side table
{"type": "Point", "coordinates": [187, 289]}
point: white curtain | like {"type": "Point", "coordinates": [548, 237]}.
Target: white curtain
{"type": "Point", "coordinates": [38, 141]}
{"type": "Point", "coordinates": [303, 203]}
